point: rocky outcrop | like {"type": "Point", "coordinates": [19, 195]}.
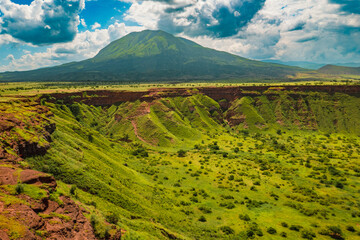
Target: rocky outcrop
{"type": "Point", "coordinates": [25, 130]}
{"type": "Point", "coordinates": [40, 218]}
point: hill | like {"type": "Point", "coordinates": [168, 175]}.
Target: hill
{"type": "Point", "coordinates": [156, 56]}
{"type": "Point", "coordinates": [302, 64]}
{"type": "Point", "coordinates": [337, 70]}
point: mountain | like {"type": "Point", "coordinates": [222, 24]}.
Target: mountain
{"type": "Point", "coordinates": [336, 70]}
{"type": "Point", "coordinates": [302, 64]}
{"type": "Point", "coordinates": [309, 65]}
{"type": "Point", "coordinates": [156, 55]}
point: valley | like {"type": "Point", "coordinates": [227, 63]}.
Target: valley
{"type": "Point", "coordinates": [192, 162]}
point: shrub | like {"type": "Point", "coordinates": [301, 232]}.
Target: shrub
{"type": "Point", "coordinates": [93, 221]}
{"type": "Point", "coordinates": [90, 137]}
{"type": "Point", "coordinates": [333, 232]}
{"type": "Point", "coordinates": [283, 234]}
{"type": "Point", "coordinates": [75, 109]}
{"type": "Point", "coordinates": [181, 153]}
{"type": "Point", "coordinates": [284, 224]}
{"type": "Point", "coordinates": [339, 185]}
{"type": "Point", "coordinates": [228, 205]}
{"type": "Point", "coordinates": [295, 227]}
{"type": "Point", "coordinates": [73, 190]}
{"type": "Point", "coordinates": [244, 217]}
{"type": "Point", "coordinates": [350, 228]}
{"type": "Point", "coordinates": [205, 209]}
{"type": "Point", "coordinates": [19, 189]}
{"type": "Point", "coordinates": [112, 218]}
{"type": "Point", "coordinates": [271, 230]}
{"type": "Point", "coordinates": [202, 219]}
{"type": "Point", "coordinates": [227, 230]}
{"type": "Point", "coordinates": [140, 152]}
{"type": "Point", "coordinates": [250, 234]}
{"type": "Point", "coordinates": [307, 234]}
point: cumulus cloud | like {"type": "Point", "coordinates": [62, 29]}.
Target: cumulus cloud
{"type": "Point", "coordinates": [41, 22]}
{"type": "Point", "coordinates": [216, 18]}
{"type": "Point", "coordinates": [96, 25]}
{"type": "Point", "coordinates": [311, 30]}
{"type": "Point", "coordinates": [85, 45]}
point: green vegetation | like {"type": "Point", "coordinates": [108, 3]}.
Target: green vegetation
{"type": "Point", "coordinates": [275, 166]}
{"type": "Point", "coordinates": [15, 230]}
{"type": "Point", "coordinates": [338, 70]}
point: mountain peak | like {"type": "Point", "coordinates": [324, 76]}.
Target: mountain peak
{"type": "Point", "coordinates": [140, 44]}
{"type": "Point", "coordinates": [158, 56]}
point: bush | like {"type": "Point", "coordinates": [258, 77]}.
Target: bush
{"type": "Point", "coordinates": [244, 217]}
{"type": "Point", "coordinates": [350, 228]}
{"type": "Point", "coordinates": [19, 189]}
{"type": "Point", "coordinates": [93, 221]}
{"type": "Point", "coordinates": [295, 227]}
{"type": "Point", "coordinates": [202, 219]}
{"type": "Point", "coordinates": [339, 185]}
{"type": "Point", "coordinates": [112, 218]}
{"type": "Point", "coordinates": [73, 190]}
{"type": "Point", "coordinates": [205, 209]}
{"type": "Point", "coordinates": [140, 152]}
{"type": "Point", "coordinates": [181, 153]}
{"type": "Point", "coordinates": [271, 230]}
{"type": "Point", "coordinates": [75, 109]}
{"type": "Point", "coordinates": [283, 234]}
{"type": "Point", "coordinates": [333, 232]}
{"type": "Point", "coordinates": [307, 234]}
{"type": "Point", "coordinates": [228, 205]}
{"type": "Point", "coordinates": [227, 230]}
{"type": "Point", "coordinates": [284, 224]}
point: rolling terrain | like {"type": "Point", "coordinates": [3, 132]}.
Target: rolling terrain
{"type": "Point", "coordinates": [252, 162]}
{"type": "Point", "coordinates": [153, 56]}
{"type": "Point", "coordinates": [339, 70]}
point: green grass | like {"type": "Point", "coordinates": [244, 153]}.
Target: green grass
{"type": "Point", "coordinates": [301, 169]}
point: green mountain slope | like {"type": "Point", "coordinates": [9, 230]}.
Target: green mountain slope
{"type": "Point", "coordinates": [337, 70]}
{"type": "Point", "coordinates": [157, 55]}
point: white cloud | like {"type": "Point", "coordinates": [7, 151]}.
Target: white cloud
{"type": "Point", "coordinates": [83, 23]}
{"type": "Point", "coordinates": [96, 25]}
{"type": "Point", "coordinates": [306, 30]}
{"type": "Point", "coordinates": [85, 45]}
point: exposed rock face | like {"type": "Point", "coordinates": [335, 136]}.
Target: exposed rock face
{"type": "Point", "coordinates": [22, 216]}
{"type": "Point", "coordinates": [29, 176]}
{"type": "Point", "coordinates": [43, 217]}
{"type": "Point", "coordinates": [107, 98]}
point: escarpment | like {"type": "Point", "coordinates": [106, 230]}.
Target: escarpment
{"type": "Point", "coordinates": [110, 97]}
{"type": "Point", "coordinates": [328, 108]}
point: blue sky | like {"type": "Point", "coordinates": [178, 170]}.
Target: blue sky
{"type": "Point", "coordinates": [40, 33]}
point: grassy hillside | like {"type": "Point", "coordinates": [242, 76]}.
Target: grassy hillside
{"type": "Point", "coordinates": [339, 70]}
{"type": "Point", "coordinates": [268, 167]}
